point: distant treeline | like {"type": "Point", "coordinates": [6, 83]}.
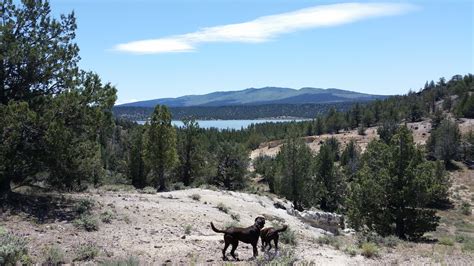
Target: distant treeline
{"type": "Point", "coordinates": [235, 112]}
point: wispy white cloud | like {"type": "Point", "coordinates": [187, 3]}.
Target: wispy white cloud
{"type": "Point", "coordinates": [267, 27]}
{"type": "Point", "coordinates": [118, 102]}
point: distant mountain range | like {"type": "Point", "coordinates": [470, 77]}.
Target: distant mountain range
{"type": "Point", "coordinates": [261, 96]}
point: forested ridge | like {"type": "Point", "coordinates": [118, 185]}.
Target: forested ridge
{"type": "Point", "coordinates": [234, 112]}
{"type": "Point", "coordinates": [57, 132]}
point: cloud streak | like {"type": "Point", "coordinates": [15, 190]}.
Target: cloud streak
{"type": "Point", "coordinates": [267, 28]}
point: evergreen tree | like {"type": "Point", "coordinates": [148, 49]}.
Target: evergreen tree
{"type": "Point", "coordinates": [266, 167]}
{"type": "Point", "coordinates": [189, 151]}
{"type": "Point", "coordinates": [232, 166]}
{"type": "Point", "coordinates": [350, 159]}
{"type": "Point", "coordinates": [444, 141]}
{"type": "Point", "coordinates": [294, 173]}
{"type": "Point", "coordinates": [160, 146]}
{"type": "Point", "coordinates": [327, 174]}
{"type": "Point", "coordinates": [387, 130]}
{"type": "Point", "coordinates": [318, 126]}
{"type": "Point", "coordinates": [395, 186]}
{"type": "Point", "coordinates": [136, 164]}
{"type": "Point", "coordinates": [39, 56]}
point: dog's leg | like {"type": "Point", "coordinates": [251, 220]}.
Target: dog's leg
{"type": "Point", "coordinates": [263, 245]}
{"type": "Point", "coordinates": [276, 244]}
{"type": "Point", "coordinates": [269, 245]}
{"type": "Point", "coordinates": [234, 247]}
{"type": "Point", "coordinates": [255, 250]}
{"type": "Point", "coordinates": [226, 245]}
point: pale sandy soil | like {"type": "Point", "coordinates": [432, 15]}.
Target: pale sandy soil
{"type": "Point", "coordinates": [151, 227]}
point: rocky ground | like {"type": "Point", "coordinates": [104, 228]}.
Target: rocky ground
{"type": "Point", "coordinates": [173, 227]}
{"type": "Point", "coordinates": [169, 227]}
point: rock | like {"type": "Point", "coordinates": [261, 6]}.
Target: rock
{"type": "Point", "coordinates": [158, 246]}
{"type": "Point", "coordinates": [348, 231]}
{"type": "Point", "coordinates": [279, 205]}
{"type": "Point", "coordinates": [328, 221]}
{"type": "Point", "coordinates": [183, 237]}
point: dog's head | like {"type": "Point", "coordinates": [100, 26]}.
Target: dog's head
{"type": "Point", "coordinates": [260, 222]}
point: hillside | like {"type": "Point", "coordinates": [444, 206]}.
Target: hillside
{"type": "Point", "coordinates": [261, 96]}
{"type": "Point", "coordinates": [234, 112]}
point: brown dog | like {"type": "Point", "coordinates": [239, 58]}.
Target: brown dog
{"type": "Point", "coordinates": [269, 234]}
{"type": "Point", "coordinates": [233, 235]}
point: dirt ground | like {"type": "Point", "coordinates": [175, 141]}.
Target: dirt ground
{"type": "Point", "coordinates": [173, 228]}
{"type": "Point", "coordinates": [152, 228]}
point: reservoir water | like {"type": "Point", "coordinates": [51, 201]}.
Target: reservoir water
{"type": "Point", "coordinates": [229, 124]}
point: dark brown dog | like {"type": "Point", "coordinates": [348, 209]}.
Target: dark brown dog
{"type": "Point", "coordinates": [269, 234]}
{"type": "Point", "coordinates": [233, 235]}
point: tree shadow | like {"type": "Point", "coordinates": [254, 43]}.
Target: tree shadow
{"type": "Point", "coordinates": [43, 208]}
{"type": "Point", "coordinates": [452, 167]}
{"type": "Point", "coordinates": [425, 240]}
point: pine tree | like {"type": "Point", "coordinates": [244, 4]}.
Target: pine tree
{"type": "Point", "coordinates": [160, 146]}
{"type": "Point", "coordinates": [328, 175]}
{"type": "Point", "coordinates": [294, 173]}
{"type": "Point", "coordinates": [189, 151]}
{"type": "Point", "coordinates": [136, 165]}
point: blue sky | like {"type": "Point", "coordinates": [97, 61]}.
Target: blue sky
{"type": "Point", "coordinates": [154, 49]}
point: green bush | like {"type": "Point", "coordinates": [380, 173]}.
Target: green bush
{"type": "Point", "coordinates": [372, 237]}
{"type": "Point", "coordinates": [468, 246]}
{"type": "Point", "coordinates": [286, 256]}
{"type": "Point", "coordinates": [369, 250]}
{"type": "Point", "coordinates": [54, 255]}
{"type": "Point", "coordinates": [195, 197]}
{"type": "Point", "coordinates": [351, 250]}
{"type": "Point", "coordinates": [107, 216]}
{"type": "Point", "coordinates": [288, 237]}
{"type": "Point", "coordinates": [84, 206]}
{"type": "Point", "coordinates": [465, 208]}
{"type": "Point", "coordinates": [446, 241]}
{"type": "Point", "coordinates": [149, 190]}
{"type": "Point", "coordinates": [178, 186]}
{"type": "Point", "coordinates": [329, 240]}
{"type": "Point", "coordinates": [12, 248]}
{"type": "Point", "coordinates": [87, 251]}
{"type": "Point", "coordinates": [87, 222]}
{"type": "Point", "coordinates": [391, 241]}
{"type": "Point", "coordinates": [187, 229]}
{"type": "Point", "coordinates": [221, 207]}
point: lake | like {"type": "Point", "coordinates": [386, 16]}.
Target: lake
{"type": "Point", "coordinates": [229, 124]}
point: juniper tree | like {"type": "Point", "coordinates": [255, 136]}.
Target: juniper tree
{"type": "Point", "coordinates": [444, 141]}
{"type": "Point", "coordinates": [394, 189]}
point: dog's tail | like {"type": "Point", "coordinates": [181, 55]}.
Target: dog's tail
{"type": "Point", "coordinates": [217, 230]}
{"type": "Point", "coordinates": [282, 229]}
